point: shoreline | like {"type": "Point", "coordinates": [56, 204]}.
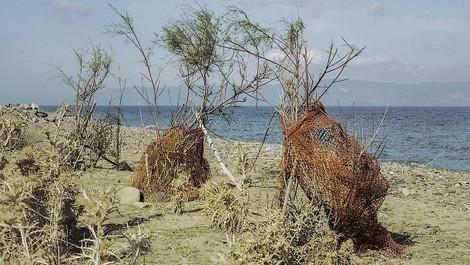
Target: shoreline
{"type": "Point", "coordinates": [426, 207]}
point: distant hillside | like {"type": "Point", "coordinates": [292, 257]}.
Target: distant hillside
{"type": "Point", "coordinates": [347, 93]}
{"type": "Point", "coordinates": [367, 93]}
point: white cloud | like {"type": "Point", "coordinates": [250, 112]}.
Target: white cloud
{"type": "Point", "coordinates": [317, 57]}
{"type": "Point", "coordinates": [432, 25]}
{"type": "Point", "coordinates": [311, 7]}
{"type": "Point", "coordinates": [370, 61]}
{"type": "Point", "coordinates": [67, 7]}
{"type": "Point", "coordinates": [377, 8]}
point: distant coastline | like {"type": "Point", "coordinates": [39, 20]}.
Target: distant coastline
{"type": "Point", "coordinates": [347, 93]}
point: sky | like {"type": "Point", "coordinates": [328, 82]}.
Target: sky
{"type": "Point", "coordinates": [406, 41]}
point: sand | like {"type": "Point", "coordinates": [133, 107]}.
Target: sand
{"type": "Point", "coordinates": [427, 208]}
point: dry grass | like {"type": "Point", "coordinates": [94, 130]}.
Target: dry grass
{"type": "Point", "coordinates": [226, 209]}
{"type": "Point", "coordinates": [39, 209]}
{"type": "Point", "coordinates": [302, 237]}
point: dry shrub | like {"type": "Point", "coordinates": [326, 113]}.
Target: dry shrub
{"type": "Point", "coordinates": [139, 245]}
{"type": "Point", "coordinates": [101, 245]}
{"type": "Point", "coordinates": [11, 134]}
{"type": "Point", "coordinates": [333, 169]}
{"type": "Point", "coordinates": [183, 191]}
{"type": "Point", "coordinates": [302, 237]}
{"type": "Point", "coordinates": [99, 140]}
{"type": "Point", "coordinates": [177, 151]}
{"type": "Point", "coordinates": [226, 209]}
{"type": "Point", "coordinates": [38, 209]}
{"type": "Point", "coordinates": [98, 248]}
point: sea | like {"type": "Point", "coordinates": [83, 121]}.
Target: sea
{"type": "Point", "coordinates": [433, 136]}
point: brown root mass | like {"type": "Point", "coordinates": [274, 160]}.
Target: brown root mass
{"type": "Point", "coordinates": [333, 169]}
{"type": "Point", "coordinates": [177, 151]}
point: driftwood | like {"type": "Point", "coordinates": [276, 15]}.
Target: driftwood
{"type": "Point", "coordinates": [222, 165]}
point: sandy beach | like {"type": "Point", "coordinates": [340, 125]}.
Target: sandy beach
{"type": "Point", "coordinates": [427, 209]}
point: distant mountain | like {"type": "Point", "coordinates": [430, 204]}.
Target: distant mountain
{"type": "Point", "coordinates": [346, 93]}
{"type": "Point", "coordinates": [368, 93]}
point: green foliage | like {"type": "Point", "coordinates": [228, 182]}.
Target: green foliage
{"type": "Point", "coordinates": [194, 39]}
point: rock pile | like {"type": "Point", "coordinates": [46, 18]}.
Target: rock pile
{"type": "Point", "coordinates": [28, 112]}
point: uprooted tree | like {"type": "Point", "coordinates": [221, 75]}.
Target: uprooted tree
{"type": "Point", "coordinates": [215, 76]}
{"type": "Point", "coordinates": [330, 166]}
{"type": "Point", "coordinates": [208, 69]}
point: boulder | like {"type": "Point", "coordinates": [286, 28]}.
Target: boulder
{"type": "Point", "coordinates": [34, 106]}
{"type": "Point", "coordinates": [130, 195]}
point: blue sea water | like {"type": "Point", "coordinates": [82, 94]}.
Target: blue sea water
{"type": "Point", "coordinates": [438, 136]}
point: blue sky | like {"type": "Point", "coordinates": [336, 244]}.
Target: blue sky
{"type": "Point", "coordinates": [407, 41]}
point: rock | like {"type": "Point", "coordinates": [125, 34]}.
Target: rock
{"type": "Point", "coordinates": [41, 114]}
{"type": "Point", "coordinates": [406, 192]}
{"type": "Point", "coordinates": [130, 195]}
{"type": "Point", "coordinates": [141, 205]}
{"type": "Point", "coordinates": [123, 166]}
{"type": "Point", "coordinates": [425, 226]}
{"type": "Point", "coordinates": [25, 106]}
{"type": "Point", "coordinates": [383, 215]}
{"type": "Point", "coordinates": [34, 106]}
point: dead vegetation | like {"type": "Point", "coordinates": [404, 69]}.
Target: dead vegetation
{"type": "Point", "coordinates": [176, 152]}
{"type": "Point", "coordinates": [226, 209]}
{"type": "Point", "coordinates": [333, 170]}
{"type": "Point", "coordinates": [39, 208]}
{"type": "Point", "coordinates": [40, 211]}
{"type": "Point", "coordinates": [303, 236]}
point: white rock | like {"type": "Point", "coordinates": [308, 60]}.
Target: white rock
{"type": "Point", "coordinates": [406, 192]}
{"type": "Point", "coordinates": [141, 204]}
{"type": "Point", "coordinates": [34, 106]}
{"type": "Point", "coordinates": [129, 195]}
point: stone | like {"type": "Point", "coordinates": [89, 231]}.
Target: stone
{"type": "Point", "coordinates": [24, 106]}
{"type": "Point", "coordinates": [130, 195]}
{"type": "Point", "coordinates": [406, 192]}
{"type": "Point", "coordinates": [41, 114]}
{"type": "Point", "coordinates": [34, 106]}
{"type": "Point", "coordinates": [141, 205]}
{"type": "Point", "coordinates": [425, 226]}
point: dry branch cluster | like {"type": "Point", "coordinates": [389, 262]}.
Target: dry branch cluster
{"type": "Point", "coordinates": [177, 151]}
{"type": "Point", "coordinates": [226, 209]}
{"type": "Point", "coordinates": [301, 237]}
{"type": "Point", "coordinates": [39, 208]}
{"type": "Point", "coordinates": [334, 170]}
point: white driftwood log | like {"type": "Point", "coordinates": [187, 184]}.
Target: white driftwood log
{"type": "Point", "coordinates": [224, 168]}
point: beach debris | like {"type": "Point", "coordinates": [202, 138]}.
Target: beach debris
{"type": "Point", "coordinates": [176, 151]}
{"type": "Point", "coordinates": [335, 171]}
